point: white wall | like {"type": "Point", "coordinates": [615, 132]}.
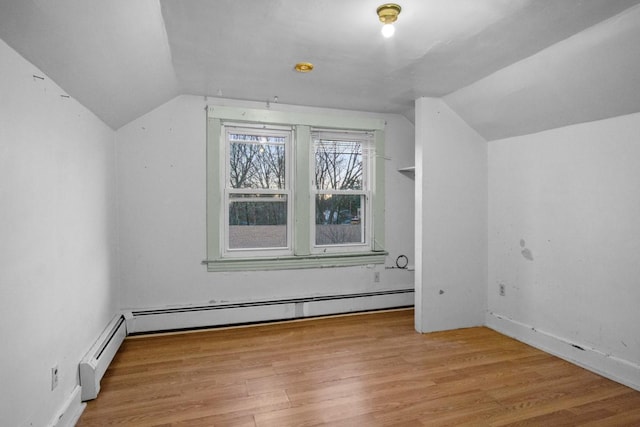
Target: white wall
{"type": "Point", "coordinates": [451, 219]}
{"type": "Point", "coordinates": [564, 239]}
{"type": "Point", "coordinates": [162, 169]}
{"type": "Point", "coordinates": [57, 244]}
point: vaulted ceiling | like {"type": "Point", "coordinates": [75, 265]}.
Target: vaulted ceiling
{"type": "Point", "coordinates": [508, 67]}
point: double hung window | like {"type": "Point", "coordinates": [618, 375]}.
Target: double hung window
{"type": "Point", "coordinates": [257, 191]}
{"type": "Point", "coordinates": [287, 190]}
{"type": "Point", "coordinates": [341, 189]}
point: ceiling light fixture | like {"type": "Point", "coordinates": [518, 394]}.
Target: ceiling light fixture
{"type": "Point", "coordinates": [388, 14]}
{"type": "Point", "coordinates": [304, 67]}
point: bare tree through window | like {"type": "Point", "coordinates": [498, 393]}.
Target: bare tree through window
{"type": "Point", "coordinates": [340, 185]}
{"type": "Point", "coordinates": [257, 205]}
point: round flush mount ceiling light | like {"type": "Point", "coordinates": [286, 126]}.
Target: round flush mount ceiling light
{"type": "Point", "coordinates": [304, 67]}
{"type": "Point", "coordinates": [388, 14]}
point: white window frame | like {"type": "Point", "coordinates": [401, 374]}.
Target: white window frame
{"type": "Point", "coordinates": [368, 156]}
{"type": "Point", "coordinates": [252, 129]}
{"type": "Point", "coordinates": [302, 254]}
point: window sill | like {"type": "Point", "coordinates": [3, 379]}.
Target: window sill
{"type": "Point", "coordinates": [296, 262]}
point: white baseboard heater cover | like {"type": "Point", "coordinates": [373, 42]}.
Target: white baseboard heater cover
{"type": "Point", "coordinates": [97, 360]}
{"type": "Point", "coordinates": [227, 314]}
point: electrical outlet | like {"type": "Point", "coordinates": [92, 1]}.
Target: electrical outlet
{"type": "Point", "coordinates": [54, 377]}
{"type": "Point", "coordinates": [376, 276]}
{"type": "Point", "coordinates": [501, 289]}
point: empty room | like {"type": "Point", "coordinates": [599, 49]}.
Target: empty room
{"type": "Point", "coordinates": [292, 212]}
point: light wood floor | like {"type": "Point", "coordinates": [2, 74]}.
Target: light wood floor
{"type": "Point", "coordinates": [361, 370]}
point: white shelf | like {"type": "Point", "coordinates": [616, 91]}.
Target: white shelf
{"type": "Point", "coordinates": [409, 171]}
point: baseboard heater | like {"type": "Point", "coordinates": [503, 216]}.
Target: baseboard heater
{"type": "Point", "coordinates": [226, 314]}
{"type": "Point", "coordinates": [97, 360]}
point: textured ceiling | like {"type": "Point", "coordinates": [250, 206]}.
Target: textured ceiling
{"type": "Point", "coordinates": [506, 66]}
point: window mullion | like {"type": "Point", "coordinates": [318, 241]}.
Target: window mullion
{"type": "Point", "coordinates": [302, 195]}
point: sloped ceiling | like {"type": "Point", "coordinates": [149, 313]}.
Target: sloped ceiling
{"type": "Point", "coordinates": [594, 75]}
{"type": "Point", "coordinates": [112, 56]}
{"type": "Point", "coordinates": [508, 67]}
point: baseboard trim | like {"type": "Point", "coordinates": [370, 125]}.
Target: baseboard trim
{"type": "Point", "coordinates": [606, 365]}
{"type": "Point", "coordinates": [193, 317]}
{"type": "Point", "coordinates": [71, 410]}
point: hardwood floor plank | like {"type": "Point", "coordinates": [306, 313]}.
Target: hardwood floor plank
{"type": "Point", "coordinates": [622, 419]}
{"type": "Point", "coordinates": [369, 369]}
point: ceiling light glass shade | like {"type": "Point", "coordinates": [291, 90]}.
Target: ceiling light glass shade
{"type": "Point", "coordinates": [388, 14]}
{"type": "Point", "coordinates": [388, 30]}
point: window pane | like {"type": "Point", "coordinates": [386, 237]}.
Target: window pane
{"type": "Point", "coordinates": [339, 219]}
{"type": "Point", "coordinates": [258, 221]}
{"type": "Point", "coordinates": [338, 165]}
{"type": "Point", "coordinates": [256, 161]}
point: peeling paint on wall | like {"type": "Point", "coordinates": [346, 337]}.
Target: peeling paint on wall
{"type": "Point", "coordinates": [526, 253]}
